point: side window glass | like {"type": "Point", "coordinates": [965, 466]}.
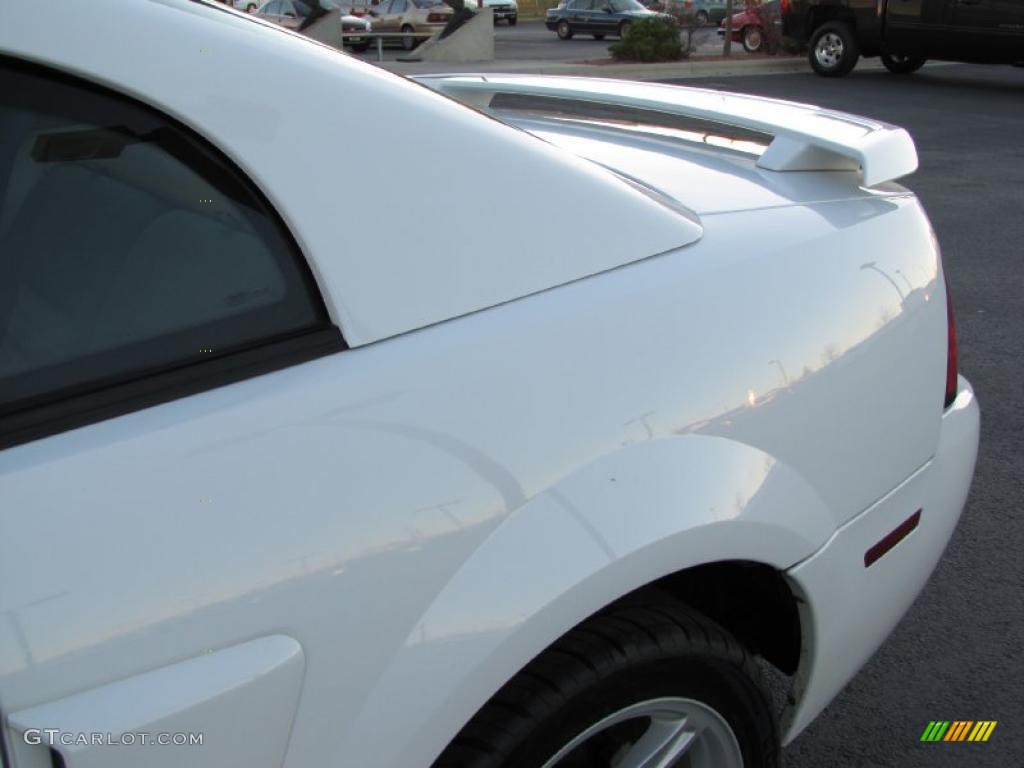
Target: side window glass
{"type": "Point", "coordinates": [273, 8]}
{"type": "Point", "coordinates": [128, 246]}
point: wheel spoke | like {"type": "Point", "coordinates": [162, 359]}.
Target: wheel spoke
{"type": "Point", "coordinates": [675, 727]}
{"type": "Point", "coordinates": [662, 744]}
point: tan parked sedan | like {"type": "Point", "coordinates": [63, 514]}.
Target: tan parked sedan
{"type": "Point", "coordinates": [410, 16]}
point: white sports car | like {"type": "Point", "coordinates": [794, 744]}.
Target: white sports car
{"type": "Point", "coordinates": [288, 480]}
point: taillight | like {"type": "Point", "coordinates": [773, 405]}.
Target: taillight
{"type": "Point", "coordinates": [783, 6]}
{"type": "Point", "coordinates": [436, 18]}
{"type": "Point", "coordinates": [951, 351]}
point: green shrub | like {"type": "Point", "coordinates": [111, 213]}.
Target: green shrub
{"type": "Point", "coordinates": [654, 39]}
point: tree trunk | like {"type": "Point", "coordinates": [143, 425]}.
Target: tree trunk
{"type": "Point", "coordinates": [727, 45]}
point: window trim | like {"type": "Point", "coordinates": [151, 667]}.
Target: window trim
{"type": "Point", "coordinates": [176, 382]}
{"type": "Point", "coordinates": [108, 397]}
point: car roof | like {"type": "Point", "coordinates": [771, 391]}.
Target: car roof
{"type": "Point", "coordinates": [478, 224]}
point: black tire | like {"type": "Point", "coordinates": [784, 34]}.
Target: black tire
{"type": "Point", "coordinates": [701, 18]}
{"type": "Point", "coordinates": [624, 28]}
{"type": "Point", "coordinates": [250, 8]}
{"type": "Point", "coordinates": [361, 48]}
{"type": "Point", "coordinates": [628, 654]}
{"type": "Point", "coordinates": [902, 65]}
{"type": "Point", "coordinates": [833, 49]}
{"type": "Point", "coordinates": [512, 20]}
{"type": "Point", "coordinates": [564, 30]}
{"type": "Point", "coordinates": [408, 43]}
{"type": "Point", "coordinates": [753, 38]}
{"type": "Point", "coordinates": [599, 35]}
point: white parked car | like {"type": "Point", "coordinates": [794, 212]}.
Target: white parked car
{"type": "Point", "coordinates": [507, 10]}
{"type": "Point", "coordinates": [289, 480]}
{"type": "Point", "coordinates": [355, 27]}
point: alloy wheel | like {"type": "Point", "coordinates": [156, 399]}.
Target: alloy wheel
{"type": "Point", "coordinates": [829, 50]}
{"type": "Point", "coordinates": [657, 733]}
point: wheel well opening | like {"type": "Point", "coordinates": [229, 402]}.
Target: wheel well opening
{"type": "Point", "coordinates": [751, 600]}
{"type": "Point", "coordinates": [822, 14]}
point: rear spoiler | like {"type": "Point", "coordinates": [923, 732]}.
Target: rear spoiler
{"type": "Point", "coordinates": [804, 137]}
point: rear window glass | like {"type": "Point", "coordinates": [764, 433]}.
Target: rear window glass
{"type": "Point", "coordinates": [127, 245]}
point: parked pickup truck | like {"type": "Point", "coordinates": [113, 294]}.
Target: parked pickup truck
{"type": "Point", "coordinates": [905, 32]}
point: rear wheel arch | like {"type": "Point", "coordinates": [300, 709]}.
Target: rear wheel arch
{"type": "Point", "coordinates": [683, 516]}
{"type": "Point", "coordinates": [755, 602]}
{"type": "Point", "coordinates": [629, 656]}
{"type": "Point", "coordinates": [821, 14]}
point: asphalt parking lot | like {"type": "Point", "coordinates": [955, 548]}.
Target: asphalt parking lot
{"type": "Point", "coordinates": [530, 40]}
{"type": "Point", "coordinates": [959, 653]}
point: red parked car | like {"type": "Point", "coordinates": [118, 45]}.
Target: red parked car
{"type": "Point", "coordinates": [750, 26]}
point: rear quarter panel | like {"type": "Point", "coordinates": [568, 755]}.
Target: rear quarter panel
{"type": "Point", "coordinates": [348, 494]}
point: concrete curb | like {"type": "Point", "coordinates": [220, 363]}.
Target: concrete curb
{"type": "Point", "coordinates": [663, 71]}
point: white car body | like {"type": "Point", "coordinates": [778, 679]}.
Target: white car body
{"type": "Point", "coordinates": [525, 425]}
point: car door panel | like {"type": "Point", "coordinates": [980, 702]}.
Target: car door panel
{"type": "Point", "coordinates": [399, 14]}
{"type": "Point", "coordinates": [102, 315]}
{"type": "Point", "coordinates": [221, 553]}
{"type": "Point", "coordinates": [920, 28]}
{"type": "Point", "coordinates": [602, 19]}
{"type": "Point", "coordinates": [575, 14]}
{"type": "Point", "coordinates": [990, 29]}
{"type": "Point", "coordinates": [233, 706]}
{"type": "Point", "coordinates": [388, 19]}
{"type": "Point", "coordinates": [598, 16]}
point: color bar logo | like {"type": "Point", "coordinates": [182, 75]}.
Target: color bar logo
{"type": "Point", "coordinates": [958, 730]}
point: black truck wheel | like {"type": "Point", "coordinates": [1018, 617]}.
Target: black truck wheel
{"type": "Point", "coordinates": [902, 65]}
{"type": "Point", "coordinates": [833, 50]}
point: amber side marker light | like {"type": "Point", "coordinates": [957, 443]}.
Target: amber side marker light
{"type": "Point", "coordinates": [898, 534]}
